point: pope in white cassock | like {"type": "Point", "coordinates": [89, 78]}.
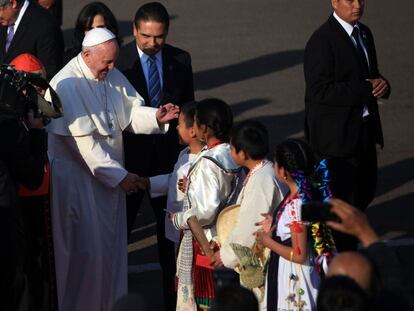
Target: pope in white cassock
{"type": "Point", "coordinates": [88, 179]}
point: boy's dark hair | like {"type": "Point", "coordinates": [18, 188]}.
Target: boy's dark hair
{"type": "Point", "coordinates": [189, 110]}
{"type": "Point", "coordinates": [341, 293]}
{"type": "Point", "coordinates": [152, 11]}
{"type": "Point", "coordinates": [251, 137]}
{"type": "Point", "coordinates": [217, 115]}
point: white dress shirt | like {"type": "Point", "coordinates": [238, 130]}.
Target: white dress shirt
{"type": "Point", "coordinates": [349, 29]}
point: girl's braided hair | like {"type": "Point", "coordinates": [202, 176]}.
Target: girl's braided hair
{"type": "Point", "coordinates": [312, 178]}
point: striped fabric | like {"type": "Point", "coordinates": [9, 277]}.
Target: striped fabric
{"type": "Point", "coordinates": [154, 83]}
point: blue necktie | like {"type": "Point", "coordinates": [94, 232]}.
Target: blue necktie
{"type": "Point", "coordinates": [154, 84]}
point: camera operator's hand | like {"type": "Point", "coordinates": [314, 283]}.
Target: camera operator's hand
{"type": "Point", "coordinates": [34, 122]}
{"type": "Point", "coordinates": [352, 221]}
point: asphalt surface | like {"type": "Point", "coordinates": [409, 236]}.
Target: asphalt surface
{"type": "Point", "coordinates": [250, 53]}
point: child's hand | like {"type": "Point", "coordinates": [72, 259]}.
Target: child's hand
{"type": "Point", "coordinates": [182, 184]}
{"type": "Point", "coordinates": [143, 183]}
{"type": "Point", "coordinates": [263, 237]}
{"type": "Point", "coordinates": [266, 223]}
{"type": "Point", "coordinates": [169, 215]}
{"type": "Point", "coordinates": [216, 260]}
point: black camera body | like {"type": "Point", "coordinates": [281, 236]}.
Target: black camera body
{"type": "Point", "coordinates": [18, 95]}
{"type": "Point", "coordinates": [318, 211]}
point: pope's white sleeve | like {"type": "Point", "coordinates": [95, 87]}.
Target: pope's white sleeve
{"type": "Point", "coordinates": [143, 119]}
{"type": "Point", "coordinates": [107, 170]}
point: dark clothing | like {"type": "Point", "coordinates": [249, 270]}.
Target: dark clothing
{"type": "Point", "coordinates": [23, 152]}
{"type": "Point", "coordinates": [37, 34]}
{"type": "Point", "coordinates": [273, 264]}
{"type": "Point", "coordinates": [151, 155]}
{"type": "Point", "coordinates": [56, 10]}
{"type": "Point", "coordinates": [21, 161]}
{"type": "Point", "coordinates": [336, 92]}
{"type": "Point", "coordinates": [391, 286]}
{"type": "Point", "coordinates": [165, 247]}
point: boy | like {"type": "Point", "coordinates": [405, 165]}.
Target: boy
{"type": "Point", "coordinates": [260, 193]}
{"type": "Point", "coordinates": [168, 184]}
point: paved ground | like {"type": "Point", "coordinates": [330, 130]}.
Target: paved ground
{"type": "Point", "coordinates": [250, 53]}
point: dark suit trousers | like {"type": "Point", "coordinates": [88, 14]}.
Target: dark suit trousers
{"type": "Point", "coordinates": [354, 179]}
{"type": "Point", "coordinates": [166, 251]}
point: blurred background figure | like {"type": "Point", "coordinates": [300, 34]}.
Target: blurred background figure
{"type": "Point", "coordinates": [23, 187]}
{"type": "Point", "coordinates": [341, 293]}
{"type": "Point", "coordinates": [35, 210]}
{"type": "Point", "coordinates": [26, 27]}
{"type": "Point", "coordinates": [54, 7]}
{"type": "Point", "coordinates": [376, 268]}
{"type": "Point", "coordinates": [93, 15]}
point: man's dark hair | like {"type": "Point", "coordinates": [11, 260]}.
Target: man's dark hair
{"type": "Point", "coordinates": [251, 137]}
{"type": "Point", "coordinates": [235, 297]}
{"type": "Point", "coordinates": [152, 11]}
{"type": "Point", "coordinates": [341, 293]}
{"type": "Point", "coordinates": [188, 110]}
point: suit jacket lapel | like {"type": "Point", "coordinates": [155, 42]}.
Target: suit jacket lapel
{"type": "Point", "coordinates": [21, 29]}
{"type": "Point", "coordinates": [344, 35]}
{"type": "Point", "coordinates": [140, 81]}
{"type": "Point", "coordinates": [3, 35]}
{"type": "Point", "coordinates": [167, 76]}
{"type": "Point", "coordinates": [369, 47]}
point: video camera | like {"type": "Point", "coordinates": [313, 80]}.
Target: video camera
{"type": "Point", "coordinates": [19, 94]}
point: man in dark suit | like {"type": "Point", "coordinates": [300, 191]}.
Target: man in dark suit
{"type": "Point", "coordinates": [54, 7]}
{"type": "Point", "coordinates": [161, 73]}
{"type": "Point", "coordinates": [342, 122]}
{"type": "Point", "coordinates": [28, 28]}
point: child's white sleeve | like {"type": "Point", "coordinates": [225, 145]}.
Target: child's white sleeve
{"type": "Point", "coordinates": [159, 185]}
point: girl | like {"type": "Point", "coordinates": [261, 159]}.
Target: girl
{"type": "Point", "coordinates": [293, 279]}
{"type": "Point", "coordinates": [211, 184]}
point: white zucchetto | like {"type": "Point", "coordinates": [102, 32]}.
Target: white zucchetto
{"type": "Point", "coordinates": [97, 36]}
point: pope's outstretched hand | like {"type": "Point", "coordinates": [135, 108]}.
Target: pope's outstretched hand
{"type": "Point", "coordinates": [166, 113]}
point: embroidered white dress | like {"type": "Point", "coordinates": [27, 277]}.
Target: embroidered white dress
{"type": "Point", "coordinates": [306, 275]}
{"type": "Point", "coordinates": [88, 206]}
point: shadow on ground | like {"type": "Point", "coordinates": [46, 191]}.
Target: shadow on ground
{"type": "Point", "coordinates": [395, 175]}
{"type": "Point", "coordinates": [252, 68]}
{"type": "Point", "coordinates": [395, 215]}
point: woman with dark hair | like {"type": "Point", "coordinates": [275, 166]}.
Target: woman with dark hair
{"type": "Point", "coordinates": [93, 15]}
